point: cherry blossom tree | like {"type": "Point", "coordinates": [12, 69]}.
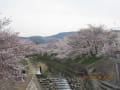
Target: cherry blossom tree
{"type": "Point", "coordinates": [92, 41]}
{"type": "Point", "coordinates": [12, 49]}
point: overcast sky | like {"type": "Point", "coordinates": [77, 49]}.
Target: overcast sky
{"type": "Point", "coordinates": [47, 17]}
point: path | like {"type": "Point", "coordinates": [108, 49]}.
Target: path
{"type": "Point", "coordinates": [33, 84]}
{"type": "Point", "coordinates": [32, 69]}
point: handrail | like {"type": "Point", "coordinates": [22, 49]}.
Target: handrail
{"type": "Point", "coordinates": [109, 85]}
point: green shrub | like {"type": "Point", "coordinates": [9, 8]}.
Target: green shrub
{"type": "Point", "coordinates": [24, 62]}
{"type": "Point", "coordinates": [45, 74]}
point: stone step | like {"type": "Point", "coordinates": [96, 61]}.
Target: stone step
{"type": "Point", "coordinates": [62, 88]}
{"type": "Point", "coordinates": [56, 83]}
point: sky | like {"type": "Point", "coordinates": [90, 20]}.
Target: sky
{"type": "Point", "coordinates": [48, 17]}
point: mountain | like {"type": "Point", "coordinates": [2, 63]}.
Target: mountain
{"type": "Point", "coordinates": [36, 39]}
{"type": "Point", "coordinates": [40, 39]}
{"type": "Point", "coordinates": [61, 35]}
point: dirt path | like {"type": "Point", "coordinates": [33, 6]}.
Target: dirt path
{"type": "Point", "coordinates": [32, 69]}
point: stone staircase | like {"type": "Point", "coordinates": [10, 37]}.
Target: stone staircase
{"type": "Point", "coordinates": [54, 83]}
{"type": "Point", "coordinates": [61, 83]}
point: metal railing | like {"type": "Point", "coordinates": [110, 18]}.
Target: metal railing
{"type": "Point", "coordinates": [108, 86]}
